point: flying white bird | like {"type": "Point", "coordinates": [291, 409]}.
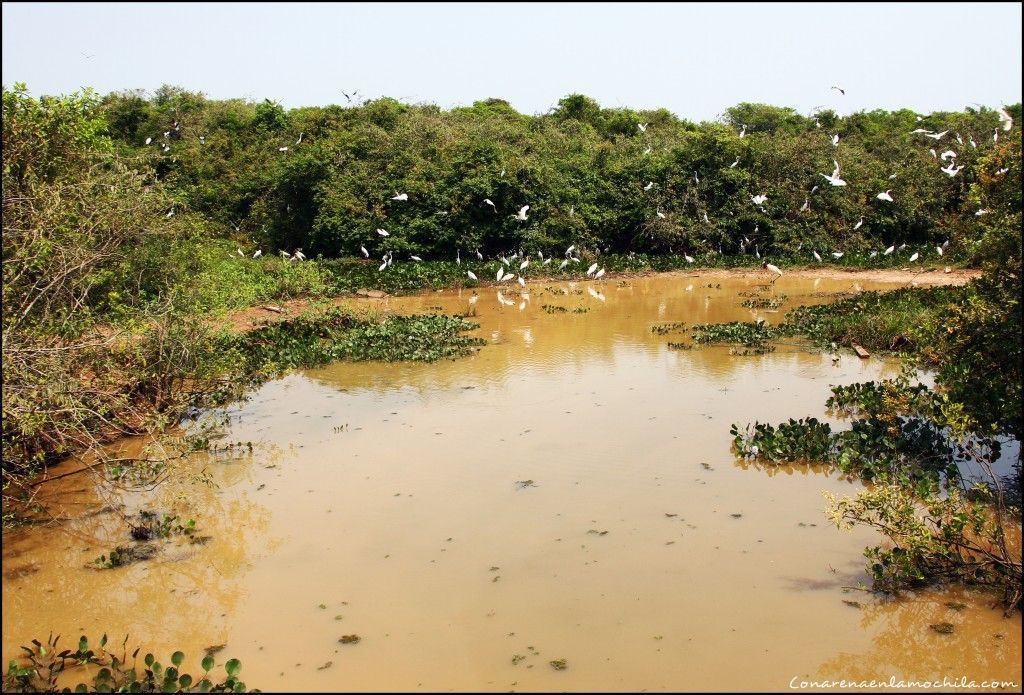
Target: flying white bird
{"type": "Point", "coordinates": [734, 163]}
{"type": "Point", "coordinates": [947, 154]}
{"type": "Point", "coordinates": [840, 89]}
{"type": "Point", "coordinates": [834, 178]}
{"type": "Point", "coordinates": [649, 186]}
{"type": "Point", "coordinates": [400, 196]}
{"type": "Point", "coordinates": [1005, 119]}
{"type": "Point", "coordinates": [759, 199]}
{"type": "Point", "coordinates": [522, 212]}
{"type": "Point", "coordinates": [642, 127]}
{"type": "Point", "coordinates": [885, 195]}
{"type": "Point", "coordinates": [952, 170]}
{"type": "Point", "coordinates": [471, 274]}
{"type": "Point", "coordinates": [383, 232]}
{"type": "Point", "coordinates": [914, 257]}
{"type": "Point", "coordinates": [889, 250]}
{"type": "Point", "coordinates": [936, 136]}
{"type": "Point", "coordinates": [859, 223]}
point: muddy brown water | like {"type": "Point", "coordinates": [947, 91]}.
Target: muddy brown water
{"type": "Point", "coordinates": [568, 492]}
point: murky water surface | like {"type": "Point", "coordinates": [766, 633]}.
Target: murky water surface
{"type": "Point", "coordinates": [566, 493]}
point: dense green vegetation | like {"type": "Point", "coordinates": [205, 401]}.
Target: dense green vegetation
{"type": "Point", "coordinates": [130, 222]}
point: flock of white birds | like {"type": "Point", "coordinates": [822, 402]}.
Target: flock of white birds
{"type": "Point", "coordinates": [594, 271]}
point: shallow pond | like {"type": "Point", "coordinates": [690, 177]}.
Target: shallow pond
{"type": "Point", "coordinates": [568, 492]}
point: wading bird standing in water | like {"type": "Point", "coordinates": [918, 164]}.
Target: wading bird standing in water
{"type": "Point", "coordinates": [773, 269]}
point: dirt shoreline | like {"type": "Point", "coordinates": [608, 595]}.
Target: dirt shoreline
{"type": "Point", "coordinates": [251, 318]}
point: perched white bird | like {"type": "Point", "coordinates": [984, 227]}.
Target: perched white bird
{"type": "Point", "coordinates": [806, 205]}
{"type": "Point", "coordinates": [914, 257]}
{"type": "Point", "coordinates": [660, 214]}
{"type": "Point", "coordinates": [647, 151]}
{"type": "Point", "coordinates": [970, 141]}
{"type": "Point", "coordinates": [743, 130]}
{"type": "Point", "coordinates": [939, 249]}
{"type": "Point", "coordinates": [300, 138]}
{"type": "Point", "coordinates": [817, 256]}
{"type": "Point", "coordinates": [734, 163]}
{"type": "Point", "coordinates": [885, 195]}
{"type": "Point", "coordinates": [591, 269]}
{"type": "Point", "coordinates": [952, 170]}
{"type": "Point", "coordinates": [366, 254]}
{"type": "Point", "coordinates": [759, 199]}
{"type": "Point", "coordinates": [980, 212]}
{"type": "Point", "coordinates": [649, 186]}
{"type": "Point", "coordinates": [383, 232]}
{"type": "Point", "coordinates": [689, 259]}
{"type": "Point", "coordinates": [642, 127]}
{"type": "Point", "coordinates": [561, 266]}
{"type": "Point", "coordinates": [599, 274]}
{"type": "Point", "coordinates": [524, 264]}
{"type": "Point", "coordinates": [706, 218]}
{"type": "Point", "coordinates": [859, 223]}
{"type": "Point", "coordinates": [382, 266]}
{"type": "Point", "coordinates": [889, 250]}
{"type": "Point", "coordinates": [835, 140]}
{"type": "Point", "coordinates": [500, 273]}
{"type": "Point", "coordinates": [298, 254]}
{"type": "Point", "coordinates": [813, 190]}
{"type": "Point", "coordinates": [522, 212]}
{"type": "Point", "coordinates": [947, 154]}
{"type": "Point", "coordinates": [995, 135]}
{"type": "Point", "coordinates": [834, 178]}
{"type": "Point", "coordinates": [490, 202]}
{"type": "Point", "coordinates": [282, 149]}
{"type": "Point", "coordinates": [479, 256]}
{"type": "Point", "coordinates": [1005, 119]}
{"type": "Point", "coordinates": [521, 281]}
{"type": "Point", "coordinates": [416, 258]}
{"type": "Point", "coordinates": [284, 254]}
{"type": "Point", "coordinates": [170, 214]}
{"type": "Point", "coordinates": [400, 196]}
{"type": "Point", "coordinates": [570, 249]}
{"type": "Point", "coordinates": [837, 254]}
{"type": "Point", "coordinates": [872, 254]}
{"type": "Point", "coordinates": [259, 252]}
{"type": "Point", "coordinates": [892, 177]}
{"type": "Point", "coordinates": [932, 152]}
{"type": "Point", "coordinates": [471, 274]}
{"type": "Point", "coordinates": [240, 253]}
{"type": "Point", "coordinates": [149, 140]}
{"type": "Point", "coordinates": [959, 139]}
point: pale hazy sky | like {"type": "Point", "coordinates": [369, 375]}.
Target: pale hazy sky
{"type": "Point", "coordinates": [694, 59]}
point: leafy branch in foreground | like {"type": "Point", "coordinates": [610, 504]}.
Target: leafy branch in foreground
{"type": "Point", "coordinates": [43, 666]}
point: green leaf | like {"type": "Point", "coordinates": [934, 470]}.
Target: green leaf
{"type": "Point", "coordinates": [185, 680]}
{"type": "Point", "coordinates": [177, 658]}
{"type": "Point", "coordinates": [207, 663]}
{"type": "Point", "coordinates": [204, 686]}
{"type": "Point", "coordinates": [233, 667]}
{"type": "Point", "coordinates": [103, 640]}
{"type": "Point", "coordinates": [149, 660]}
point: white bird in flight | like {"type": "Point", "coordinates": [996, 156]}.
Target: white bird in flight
{"type": "Point", "coordinates": [759, 199]}
{"type": "Point", "coordinates": [522, 212]}
{"type": "Point", "coordinates": [834, 178]}
{"type": "Point", "coordinates": [885, 195]}
{"type": "Point", "coordinates": [936, 136]}
{"type": "Point", "coordinates": [952, 170]}
{"type": "Point", "coordinates": [642, 127]}
{"type": "Point", "coordinates": [947, 155]}
{"type": "Point", "coordinates": [840, 89]}
{"type": "Point", "coordinates": [400, 196]}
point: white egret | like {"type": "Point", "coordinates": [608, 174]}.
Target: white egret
{"type": "Point", "coordinates": [759, 199]}
{"type": "Point", "coordinates": [284, 254]}
{"type": "Point", "coordinates": [889, 250]}
{"type": "Point", "coordinates": [817, 256]}
{"type": "Point", "coordinates": [743, 130]}
{"type": "Point", "coordinates": [859, 223]}
{"type": "Point", "coordinates": [806, 205]}
{"type": "Point", "coordinates": [914, 257]}
{"type": "Point", "coordinates": [980, 212]}
{"type": "Point", "coordinates": [689, 259]}
{"type": "Point", "coordinates": [835, 140]}
{"type": "Point", "coordinates": [501, 271]}
{"type": "Point", "coordinates": [458, 257]}
{"type": "Point", "coordinates": [240, 253]}
{"type": "Point", "coordinates": [490, 202]}
{"type": "Point", "coordinates": [400, 196]}
{"type": "Point", "coordinates": [282, 149]}
{"type": "Point", "coordinates": [591, 269]}
{"type": "Point", "coordinates": [642, 127]}
{"type": "Point", "coordinates": [885, 195]}
{"type": "Point", "coordinates": [834, 178]}
{"type": "Point", "coordinates": [383, 232]}
{"type": "Point", "coordinates": [471, 274]}
{"type": "Point", "coordinates": [970, 141]}
{"type": "Point", "coordinates": [1005, 119]}
{"type": "Point", "coordinates": [706, 217]}
{"type": "Point", "coordinates": [660, 214]}
{"type": "Point", "coordinates": [892, 177]}
{"type": "Point", "coordinates": [649, 186]}
{"type": "Point", "coordinates": [479, 256]}
{"type": "Point", "coordinates": [416, 258]}
{"type": "Point", "coordinates": [837, 254]}
{"type": "Point", "coordinates": [561, 266]}
{"type": "Point", "coordinates": [931, 151]}
{"type": "Point", "coordinates": [939, 249]}
{"type": "Point", "coordinates": [298, 254]}
{"type": "Point", "coordinates": [366, 254]}
{"type": "Point", "coordinates": [521, 281]}
{"type": "Point", "coordinates": [300, 138]}
{"type": "Point", "coordinates": [734, 163]}
{"type": "Point", "coordinates": [522, 212]}
{"type": "Point", "coordinates": [952, 170]}
{"type": "Point", "coordinates": [259, 252]}
{"type": "Point", "coordinates": [599, 274]}
{"type": "Point", "coordinates": [772, 269]}
{"type": "Point", "coordinates": [872, 254]}
{"type": "Point", "coordinates": [524, 264]}
{"type": "Point", "coordinates": [149, 140]}
{"type": "Point", "coordinates": [382, 266]}
{"type": "Point", "coordinates": [947, 155]}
